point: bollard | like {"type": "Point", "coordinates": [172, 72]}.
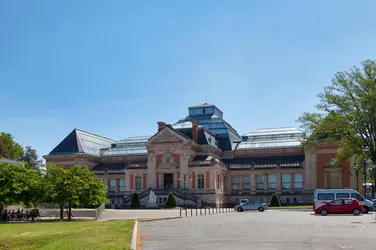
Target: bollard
{"type": "Point", "coordinates": [191, 212]}
{"type": "Point", "coordinates": [200, 211]}
{"type": "Point", "coordinates": [185, 212]}
{"type": "Point", "coordinates": [196, 211]}
{"type": "Point", "coordinates": [205, 211]}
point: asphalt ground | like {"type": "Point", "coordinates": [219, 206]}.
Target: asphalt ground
{"type": "Point", "coordinates": [271, 229]}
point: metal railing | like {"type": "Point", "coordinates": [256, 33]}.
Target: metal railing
{"type": "Point", "coordinates": [204, 211]}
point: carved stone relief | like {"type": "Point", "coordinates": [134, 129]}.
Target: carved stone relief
{"type": "Point", "coordinates": [168, 161]}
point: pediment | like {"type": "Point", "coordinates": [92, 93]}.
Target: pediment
{"type": "Point", "coordinates": [166, 136]}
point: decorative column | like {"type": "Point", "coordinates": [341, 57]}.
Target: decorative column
{"type": "Point", "coordinates": [152, 168]}
{"type": "Point", "coordinates": [291, 181]}
{"type": "Point", "coordinates": [278, 183]}
{"type": "Point", "coordinates": [265, 182]}
{"type": "Point", "coordinates": [184, 168]}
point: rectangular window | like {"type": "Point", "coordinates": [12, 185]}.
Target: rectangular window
{"type": "Point", "coordinates": [259, 182]}
{"type": "Point", "coordinates": [138, 182]}
{"type": "Point", "coordinates": [272, 181]}
{"type": "Point", "coordinates": [121, 185]}
{"type": "Point", "coordinates": [342, 195]}
{"type": "Point", "coordinates": [325, 196]}
{"type": "Point", "coordinates": [218, 181]}
{"type": "Point", "coordinates": [235, 182]}
{"type": "Point", "coordinates": [200, 181]}
{"type": "Point", "coordinates": [246, 182]}
{"type": "Point", "coordinates": [298, 180]}
{"type": "Point", "coordinates": [225, 182]}
{"type": "Point", "coordinates": [112, 185]}
{"type": "Point", "coordinates": [286, 181]}
{"type": "Point", "coordinates": [357, 196]}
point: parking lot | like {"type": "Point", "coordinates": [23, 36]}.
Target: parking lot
{"type": "Point", "coordinates": [271, 229]}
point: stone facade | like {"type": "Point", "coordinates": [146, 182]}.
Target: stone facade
{"type": "Point", "coordinates": [197, 171]}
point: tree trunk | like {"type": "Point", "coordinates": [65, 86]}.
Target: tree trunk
{"type": "Point", "coordinates": [70, 212]}
{"type": "Point", "coordinates": [61, 211]}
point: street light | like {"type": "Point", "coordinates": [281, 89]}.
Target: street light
{"type": "Point", "coordinates": [365, 149]}
{"type": "Point", "coordinates": [184, 181]}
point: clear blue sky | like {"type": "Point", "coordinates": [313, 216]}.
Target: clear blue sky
{"type": "Point", "coordinates": [115, 68]}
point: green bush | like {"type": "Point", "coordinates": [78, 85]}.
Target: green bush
{"type": "Point", "coordinates": [135, 202]}
{"type": "Point", "coordinates": [275, 201]}
{"type": "Point", "coordinates": [171, 202]}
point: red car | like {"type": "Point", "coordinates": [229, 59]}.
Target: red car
{"type": "Point", "coordinates": [340, 206]}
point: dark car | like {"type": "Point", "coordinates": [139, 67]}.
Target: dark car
{"type": "Point", "coordinates": [340, 206]}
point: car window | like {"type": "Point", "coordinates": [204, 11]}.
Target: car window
{"type": "Point", "coordinates": [325, 196]}
{"type": "Point", "coordinates": [343, 195]}
{"type": "Point", "coordinates": [357, 196]}
{"type": "Point", "coordinates": [336, 202]}
{"type": "Point", "coordinates": [349, 202]}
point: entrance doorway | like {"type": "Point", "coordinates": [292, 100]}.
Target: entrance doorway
{"type": "Point", "coordinates": [168, 180]}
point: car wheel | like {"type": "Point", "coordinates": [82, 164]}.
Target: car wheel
{"type": "Point", "coordinates": [366, 210]}
{"type": "Point", "coordinates": [356, 212]}
{"type": "Point", "coordinates": [240, 209]}
{"type": "Point", "coordinates": [324, 212]}
{"type": "Point", "coordinates": [261, 209]}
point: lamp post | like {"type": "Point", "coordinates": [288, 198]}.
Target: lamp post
{"type": "Point", "coordinates": [365, 149]}
{"type": "Point", "coordinates": [184, 181]}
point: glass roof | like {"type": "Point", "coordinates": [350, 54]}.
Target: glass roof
{"type": "Point", "coordinates": [129, 146]}
{"type": "Point", "coordinates": [272, 138]}
{"type": "Point", "coordinates": [92, 144]}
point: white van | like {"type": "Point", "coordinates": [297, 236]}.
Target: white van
{"type": "Point", "coordinates": [322, 196]}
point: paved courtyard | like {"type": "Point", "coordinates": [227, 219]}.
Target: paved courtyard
{"type": "Point", "coordinates": [254, 230]}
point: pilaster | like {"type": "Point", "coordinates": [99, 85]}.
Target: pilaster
{"type": "Point", "coordinates": [253, 183]}
{"type": "Point", "coordinates": [152, 168]}
{"type": "Point", "coordinates": [278, 182]}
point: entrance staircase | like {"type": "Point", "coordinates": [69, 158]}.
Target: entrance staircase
{"type": "Point", "coordinates": [178, 193]}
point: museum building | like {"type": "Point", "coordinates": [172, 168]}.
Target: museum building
{"type": "Point", "coordinates": [203, 160]}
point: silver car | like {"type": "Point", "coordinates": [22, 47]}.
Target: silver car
{"type": "Point", "coordinates": [251, 205]}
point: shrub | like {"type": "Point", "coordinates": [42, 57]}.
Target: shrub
{"type": "Point", "coordinates": [171, 202]}
{"type": "Point", "coordinates": [275, 201]}
{"type": "Point", "coordinates": [135, 202]}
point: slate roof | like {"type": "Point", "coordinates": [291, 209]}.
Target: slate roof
{"type": "Point", "coordinates": [9, 161]}
{"type": "Point", "coordinates": [271, 138]}
{"type": "Point", "coordinates": [130, 146]}
{"type": "Point", "coordinates": [205, 136]}
{"type": "Point", "coordinates": [79, 141]}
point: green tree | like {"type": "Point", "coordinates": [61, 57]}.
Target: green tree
{"type": "Point", "coordinates": [56, 186]}
{"type": "Point", "coordinates": [347, 111]}
{"type": "Point", "coordinates": [275, 201]}
{"type": "Point", "coordinates": [73, 187]}
{"type": "Point", "coordinates": [85, 188]}
{"type": "Point", "coordinates": [171, 202]}
{"type": "Point", "coordinates": [135, 202]}
{"type": "Point", "coordinates": [19, 184]}
{"type": "Point", "coordinates": [9, 148]}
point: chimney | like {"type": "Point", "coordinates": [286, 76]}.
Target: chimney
{"type": "Point", "coordinates": [195, 130]}
{"type": "Point", "coordinates": [161, 125]}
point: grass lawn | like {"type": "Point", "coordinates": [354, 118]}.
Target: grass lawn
{"type": "Point", "coordinates": [293, 207]}
{"type": "Point", "coordinates": [67, 235]}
